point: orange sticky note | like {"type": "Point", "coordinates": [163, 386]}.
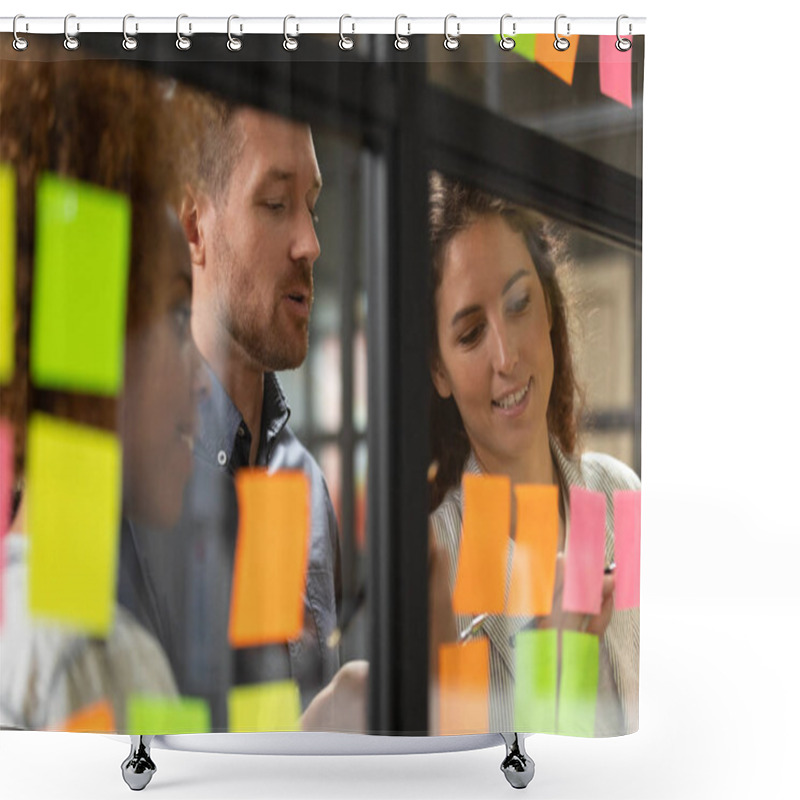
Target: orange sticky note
{"type": "Point", "coordinates": [269, 571]}
{"type": "Point", "coordinates": [560, 62]}
{"type": "Point", "coordinates": [533, 571]}
{"type": "Point", "coordinates": [464, 688]}
{"type": "Point", "coordinates": [483, 557]}
{"type": "Point", "coordinates": [95, 718]}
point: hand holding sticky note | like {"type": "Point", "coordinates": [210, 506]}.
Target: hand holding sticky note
{"type": "Point", "coordinates": [269, 571]}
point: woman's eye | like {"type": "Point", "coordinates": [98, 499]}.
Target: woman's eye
{"type": "Point", "coordinates": [471, 336]}
{"type": "Point", "coordinates": [519, 304]}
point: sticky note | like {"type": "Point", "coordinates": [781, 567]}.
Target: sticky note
{"type": "Point", "coordinates": [525, 45]}
{"type": "Point", "coordinates": [615, 71]}
{"type": "Point", "coordinates": [627, 548]}
{"type": "Point", "coordinates": [269, 571]}
{"type": "Point", "coordinates": [74, 506]}
{"type": "Point", "coordinates": [483, 555]}
{"type": "Point", "coordinates": [533, 569]}
{"type": "Point", "coordinates": [577, 696]}
{"type": "Point", "coordinates": [264, 707]}
{"type": "Point", "coordinates": [79, 287]}
{"type": "Point", "coordinates": [464, 688]}
{"type": "Point", "coordinates": [536, 681]}
{"type": "Point", "coordinates": [560, 62]}
{"type": "Point", "coordinates": [585, 558]}
{"type": "Point", "coordinates": [8, 259]}
{"type": "Point", "coordinates": [154, 714]}
{"type": "Point", "coordinates": [95, 718]}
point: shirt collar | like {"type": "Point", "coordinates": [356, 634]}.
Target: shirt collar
{"type": "Point", "coordinates": [220, 421]}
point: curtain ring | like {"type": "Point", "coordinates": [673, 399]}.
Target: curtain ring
{"type": "Point", "coordinates": [19, 43]}
{"type": "Point", "coordinates": [70, 42]}
{"type": "Point", "coordinates": [401, 42]}
{"type": "Point", "coordinates": [451, 42]}
{"type": "Point", "coordinates": [182, 42]}
{"type": "Point", "coordinates": [506, 42]}
{"type": "Point", "coordinates": [345, 42]}
{"type": "Point", "coordinates": [623, 45]}
{"type": "Point", "coordinates": [560, 43]}
{"type": "Point", "coordinates": [289, 42]}
{"type": "Point", "coordinates": [129, 42]}
{"type": "Point", "coordinates": [234, 42]}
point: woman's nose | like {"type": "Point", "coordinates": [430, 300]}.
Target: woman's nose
{"type": "Point", "coordinates": [504, 350]}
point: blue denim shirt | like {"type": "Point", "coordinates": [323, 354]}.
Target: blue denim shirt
{"type": "Point", "coordinates": [178, 583]}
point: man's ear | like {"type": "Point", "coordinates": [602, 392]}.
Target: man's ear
{"type": "Point", "coordinates": [192, 221]}
{"type": "Point", "coordinates": [440, 380]}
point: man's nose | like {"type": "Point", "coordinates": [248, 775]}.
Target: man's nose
{"type": "Point", "coordinates": [305, 245]}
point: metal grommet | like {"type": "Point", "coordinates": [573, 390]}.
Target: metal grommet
{"type": "Point", "coordinates": [234, 42]}
{"type": "Point", "coordinates": [506, 42]}
{"type": "Point", "coordinates": [289, 42]}
{"type": "Point", "coordinates": [182, 42]}
{"type": "Point", "coordinates": [19, 43]}
{"type": "Point", "coordinates": [222, 458]}
{"type": "Point", "coordinates": [70, 42]}
{"type": "Point", "coordinates": [623, 45]}
{"type": "Point", "coordinates": [451, 42]}
{"type": "Point", "coordinates": [560, 43]}
{"type": "Point", "coordinates": [401, 42]}
{"type": "Point", "coordinates": [345, 42]}
{"type": "Point", "coordinates": [129, 42]}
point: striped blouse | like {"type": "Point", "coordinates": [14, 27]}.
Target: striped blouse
{"type": "Point", "coordinates": [618, 688]}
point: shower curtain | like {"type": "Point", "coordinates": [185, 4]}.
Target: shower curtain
{"type": "Point", "coordinates": [320, 383]}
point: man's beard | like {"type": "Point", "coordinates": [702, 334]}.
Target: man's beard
{"type": "Point", "coordinates": [253, 328]}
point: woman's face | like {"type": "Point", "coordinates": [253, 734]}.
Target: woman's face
{"type": "Point", "coordinates": [495, 355]}
{"type": "Point", "coordinates": [163, 381]}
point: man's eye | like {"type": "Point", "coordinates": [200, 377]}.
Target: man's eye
{"type": "Point", "coordinates": [314, 216]}
{"type": "Point", "coordinates": [275, 206]}
{"type": "Point", "coordinates": [183, 319]}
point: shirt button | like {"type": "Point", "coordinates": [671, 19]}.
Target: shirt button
{"type": "Point", "coordinates": [222, 458]}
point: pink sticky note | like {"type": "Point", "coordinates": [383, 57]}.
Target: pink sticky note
{"type": "Point", "coordinates": [627, 548]}
{"type": "Point", "coordinates": [615, 71]}
{"type": "Point", "coordinates": [583, 570]}
{"type": "Point", "coordinates": [6, 482]}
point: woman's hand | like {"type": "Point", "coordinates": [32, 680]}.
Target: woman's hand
{"type": "Point", "coordinates": [569, 620]}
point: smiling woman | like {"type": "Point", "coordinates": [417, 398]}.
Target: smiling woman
{"type": "Point", "coordinates": [506, 403]}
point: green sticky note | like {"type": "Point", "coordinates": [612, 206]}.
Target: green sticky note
{"type": "Point", "coordinates": [577, 697]}
{"type": "Point", "coordinates": [8, 257]}
{"type": "Point", "coordinates": [536, 681]}
{"type": "Point", "coordinates": [74, 477]}
{"type": "Point", "coordinates": [153, 715]}
{"type": "Point", "coordinates": [80, 286]}
{"type": "Point", "coordinates": [264, 707]}
{"type": "Point", "coordinates": [525, 45]}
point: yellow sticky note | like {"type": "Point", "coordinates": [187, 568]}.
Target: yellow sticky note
{"type": "Point", "coordinates": [264, 707]}
{"type": "Point", "coordinates": [464, 688]}
{"type": "Point", "coordinates": [560, 62]}
{"type": "Point", "coordinates": [533, 571]}
{"type": "Point", "coordinates": [74, 506]}
{"type": "Point", "coordinates": [269, 571]}
{"type": "Point", "coordinates": [483, 555]}
{"type": "Point", "coordinates": [95, 718]}
{"type": "Point", "coordinates": [153, 714]}
{"type": "Point", "coordinates": [8, 258]}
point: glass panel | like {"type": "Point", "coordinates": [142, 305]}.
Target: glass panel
{"type": "Point", "coordinates": [528, 94]}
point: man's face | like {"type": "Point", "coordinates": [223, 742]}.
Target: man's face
{"type": "Point", "coordinates": [262, 245]}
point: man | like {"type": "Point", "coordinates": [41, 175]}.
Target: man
{"type": "Point", "coordinates": [248, 214]}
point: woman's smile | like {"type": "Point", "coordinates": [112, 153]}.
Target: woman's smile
{"type": "Point", "coordinates": [513, 403]}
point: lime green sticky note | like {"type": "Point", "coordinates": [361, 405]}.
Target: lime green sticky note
{"type": "Point", "coordinates": [577, 697]}
{"type": "Point", "coordinates": [264, 707]}
{"type": "Point", "coordinates": [80, 286]}
{"type": "Point", "coordinates": [8, 257]}
{"type": "Point", "coordinates": [525, 45]}
{"type": "Point", "coordinates": [536, 677]}
{"type": "Point", "coordinates": [74, 506]}
{"type": "Point", "coordinates": [152, 714]}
